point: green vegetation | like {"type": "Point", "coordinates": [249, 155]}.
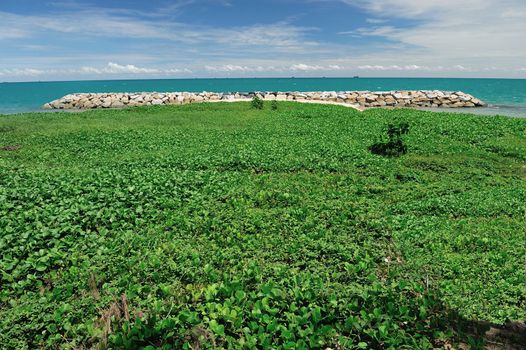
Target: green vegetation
{"type": "Point", "coordinates": [257, 103]}
{"type": "Point", "coordinates": [392, 144]}
{"type": "Point", "coordinates": [223, 226]}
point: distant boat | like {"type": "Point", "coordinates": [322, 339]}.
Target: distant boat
{"type": "Point", "coordinates": [356, 77]}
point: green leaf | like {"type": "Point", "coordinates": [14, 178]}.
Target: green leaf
{"type": "Point", "coordinates": [218, 329]}
{"type": "Point", "coordinates": [362, 345]}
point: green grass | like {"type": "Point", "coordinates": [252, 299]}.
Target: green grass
{"type": "Point", "coordinates": [223, 226]}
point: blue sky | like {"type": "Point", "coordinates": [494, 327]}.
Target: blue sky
{"type": "Point", "coordinates": [94, 39]}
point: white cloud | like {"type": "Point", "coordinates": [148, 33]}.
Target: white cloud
{"type": "Point", "coordinates": [375, 20]}
{"type": "Point", "coordinates": [176, 70]}
{"type": "Point", "coordinates": [417, 8]}
{"type": "Point", "coordinates": [375, 67]}
{"type": "Point", "coordinates": [411, 67]}
{"type": "Point", "coordinates": [401, 38]}
{"type": "Point", "coordinates": [128, 68]}
{"type": "Point", "coordinates": [110, 69]}
{"type": "Point", "coordinates": [115, 68]}
{"type": "Point", "coordinates": [372, 31]}
{"type": "Point", "coordinates": [23, 72]}
{"type": "Point", "coordinates": [482, 29]}
{"type": "Point", "coordinates": [90, 70]}
{"type": "Point", "coordinates": [296, 67]}
{"type": "Point", "coordinates": [392, 67]}
{"type": "Point", "coordinates": [305, 67]}
{"type": "Point", "coordinates": [475, 33]}
{"type": "Point", "coordinates": [86, 22]}
{"type": "Point", "coordinates": [237, 68]}
{"type": "Point", "coordinates": [7, 32]}
{"type": "Point", "coordinates": [272, 35]}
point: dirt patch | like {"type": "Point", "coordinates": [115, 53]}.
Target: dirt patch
{"type": "Point", "coordinates": [10, 148]}
{"type": "Point", "coordinates": [116, 312]}
{"type": "Point", "coordinates": [6, 129]}
{"type": "Point", "coordinates": [509, 336]}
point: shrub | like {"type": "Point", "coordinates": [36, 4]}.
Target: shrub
{"type": "Point", "coordinates": [257, 103]}
{"type": "Point", "coordinates": [274, 105]}
{"type": "Point", "coordinates": [392, 144]}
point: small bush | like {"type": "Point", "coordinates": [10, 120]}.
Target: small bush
{"type": "Point", "coordinates": [392, 144]}
{"type": "Point", "coordinates": [257, 103]}
{"type": "Point", "coordinates": [274, 105]}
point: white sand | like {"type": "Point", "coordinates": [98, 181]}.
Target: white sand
{"type": "Point", "coordinates": [348, 105]}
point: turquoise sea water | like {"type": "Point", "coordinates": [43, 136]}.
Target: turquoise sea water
{"type": "Point", "coordinates": [505, 96]}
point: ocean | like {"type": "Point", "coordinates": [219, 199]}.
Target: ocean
{"type": "Point", "coordinates": [504, 96]}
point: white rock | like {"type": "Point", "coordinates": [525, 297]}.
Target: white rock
{"type": "Point", "coordinates": [106, 103]}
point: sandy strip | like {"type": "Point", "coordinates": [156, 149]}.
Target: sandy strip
{"type": "Point", "coordinates": [348, 105]}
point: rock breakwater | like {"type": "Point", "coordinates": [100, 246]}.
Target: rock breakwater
{"type": "Point", "coordinates": [357, 99]}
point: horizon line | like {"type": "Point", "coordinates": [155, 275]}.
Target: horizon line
{"type": "Point", "coordinates": [251, 78]}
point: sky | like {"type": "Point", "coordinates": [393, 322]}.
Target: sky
{"type": "Point", "coordinates": [109, 39]}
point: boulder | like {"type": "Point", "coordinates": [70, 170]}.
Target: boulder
{"type": "Point", "coordinates": [117, 104]}
{"type": "Point", "coordinates": [106, 102]}
{"type": "Point", "coordinates": [300, 97]}
{"type": "Point", "coordinates": [478, 102]}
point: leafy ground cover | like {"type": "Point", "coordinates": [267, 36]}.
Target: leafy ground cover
{"type": "Point", "coordinates": [224, 226]}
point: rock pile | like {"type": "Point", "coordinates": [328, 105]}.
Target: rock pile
{"type": "Point", "coordinates": [359, 99]}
